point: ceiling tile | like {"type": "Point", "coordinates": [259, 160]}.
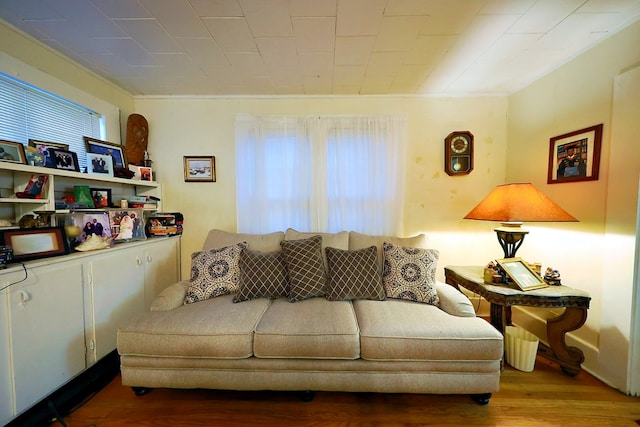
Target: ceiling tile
{"type": "Point", "coordinates": [121, 8]}
{"type": "Point", "coordinates": [544, 15]}
{"type": "Point", "coordinates": [348, 75]}
{"type": "Point", "coordinates": [231, 34]}
{"type": "Point", "coordinates": [354, 50]}
{"type": "Point", "coordinates": [176, 17]}
{"type": "Point", "coordinates": [313, 8]}
{"type": "Point", "coordinates": [202, 50]}
{"type": "Point", "coordinates": [247, 63]}
{"type": "Point", "coordinates": [149, 34]}
{"type": "Point", "coordinates": [278, 51]}
{"type": "Point", "coordinates": [315, 34]}
{"type": "Point", "coordinates": [399, 33]}
{"type": "Point", "coordinates": [359, 17]}
{"type": "Point", "coordinates": [216, 8]}
{"type": "Point", "coordinates": [268, 18]}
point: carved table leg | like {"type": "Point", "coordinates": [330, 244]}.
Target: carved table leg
{"type": "Point", "coordinates": [500, 317]}
{"type": "Point", "coordinates": [569, 358]}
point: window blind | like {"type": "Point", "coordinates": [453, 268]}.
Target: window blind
{"type": "Point", "coordinates": [27, 112]}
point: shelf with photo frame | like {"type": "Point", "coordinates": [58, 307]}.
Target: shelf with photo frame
{"type": "Point", "coordinates": [16, 178]}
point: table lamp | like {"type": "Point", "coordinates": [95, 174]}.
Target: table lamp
{"type": "Point", "coordinates": [513, 204]}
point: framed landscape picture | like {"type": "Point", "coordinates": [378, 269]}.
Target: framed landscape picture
{"type": "Point", "coordinates": [199, 169]}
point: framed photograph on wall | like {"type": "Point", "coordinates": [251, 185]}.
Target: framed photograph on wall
{"type": "Point", "coordinates": [12, 152]}
{"type": "Point", "coordinates": [575, 156]}
{"type": "Point", "coordinates": [199, 169]}
{"type": "Point", "coordinates": [99, 164]}
{"type": "Point", "coordinates": [63, 159]}
{"type": "Point", "coordinates": [521, 274]}
{"type": "Point", "coordinates": [116, 151]}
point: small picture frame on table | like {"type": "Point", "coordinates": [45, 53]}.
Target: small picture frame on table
{"type": "Point", "coordinates": [199, 169]}
{"type": "Point", "coordinates": [101, 197]}
{"type": "Point", "coordinates": [12, 152]}
{"type": "Point", "coordinates": [522, 275]}
{"type": "Point", "coordinates": [99, 164]}
{"type": "Point", "coordinates": [64, 159]}
{"type": "Point", "coordinates": [35, 243]}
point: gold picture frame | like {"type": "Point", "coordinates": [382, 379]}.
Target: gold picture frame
{"type": "Point", "coordinates": [522, 275]}
{"type": "Point", "coordinates": [199, 169]}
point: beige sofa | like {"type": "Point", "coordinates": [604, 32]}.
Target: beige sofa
{"type": "Point", "coordinates": [314, 344]}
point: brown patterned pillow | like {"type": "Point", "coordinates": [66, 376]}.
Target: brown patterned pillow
{"type": "Point", "coordinates": [214, 272]}
{"type": "Point", "coordinates": [305, 268]}
{"type": "Point", "coordinates": [262, 275]}
{"type": "Point", "coordinates": [354, 274]}
{"type": "Point", "coordinates": [410, 273]}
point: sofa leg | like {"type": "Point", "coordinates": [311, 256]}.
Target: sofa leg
{"type": "Point", "coordinates": [307, 395]}
{"type": "Point", "coordinates": [140, 391]}
{"type": "Point", "coordinates": [482, 398]}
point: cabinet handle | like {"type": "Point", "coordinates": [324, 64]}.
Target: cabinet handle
{"type": "Point", "coordinates": [149, 258]}
{"type": "Point", "coordinates": [138, 261]}
{"type": "Point", "coordinates": [24, 296]}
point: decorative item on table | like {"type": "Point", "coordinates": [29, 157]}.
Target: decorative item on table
{"type": "Point", "coordinates": [142, 173]}
{"type": "Point", "coordinates": [65, 160]}
{"type": "Point", "coordinates": [127, 224]}
{"type": "Point", "coordinates": [145, 202]}
{"type": "Point", "coordinates": [35, 188]}
{"type": "Point", "coordinates": [82, 197]}
{"type": "Point", "coordinates": [6, 255]}
{"type": "Point", "coordinates": [552, 277]}
{"type": "Point", "coordinates": [37, 219]}
{"type": "Point", "coordinates": [136, 141]}
{"type": "Point", "coordinates": [146, 159]}
{"type": "Point", "coordinates": [513, 204]}
{"type": "Point", "coordinates": [521, 274]}
{"type": "Point", "coordinates": [99, 164]}
{"type": "Point", "coordinates": [12, 152]}
{"type": "Point", "coordinates": [493, 274]}
{"type": "Point", "coordinates": [165, 224]}
{"type": "Point", "coordinates": [94, 242]}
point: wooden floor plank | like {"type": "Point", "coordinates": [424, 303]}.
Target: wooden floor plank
{"type": "Point", "coordinates": [544, 397]}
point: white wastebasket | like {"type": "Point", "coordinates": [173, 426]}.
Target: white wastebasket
{"type": "Point", "coordinates": [521, 347]}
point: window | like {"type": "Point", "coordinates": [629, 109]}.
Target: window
{"type": "Point", "coordinates": [324, 174]}
{"type": "Point", "coordinates": [27, 112]}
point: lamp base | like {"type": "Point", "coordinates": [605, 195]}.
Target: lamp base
{"type": "Point", "coordinates": [510, 236]}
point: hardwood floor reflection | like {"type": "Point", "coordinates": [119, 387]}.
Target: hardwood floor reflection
{"type": "Point", "coordinates": [544, 397]}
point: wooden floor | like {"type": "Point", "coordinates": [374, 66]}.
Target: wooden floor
{"type": "Point", "coordinates": [544, 397]}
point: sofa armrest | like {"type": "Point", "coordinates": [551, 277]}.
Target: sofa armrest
{"type": "Point", "coordinates": [171, 297]}
{"type": "Point", "coordinates": [453, 301]}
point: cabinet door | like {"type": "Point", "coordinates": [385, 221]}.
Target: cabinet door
{"type": "Point", "coordinates": [47, 338]}
{"type": "Point", "coordinates": [162, 266]}
{"type": "Point", "coordinates": [116, 279]}
{"type": "Point", "coordinates": [6, 389]}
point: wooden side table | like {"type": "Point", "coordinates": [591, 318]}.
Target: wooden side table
{"type": "Point", "coordinates": [502, 298]}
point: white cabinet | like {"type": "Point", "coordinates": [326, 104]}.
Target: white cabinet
{"type": "Point", "coordinates": [64, 316]}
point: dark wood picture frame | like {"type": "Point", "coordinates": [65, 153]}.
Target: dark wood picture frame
{"type": "Point", "coordinates": [35, 243]}
{"type": "Point", "coordinates": [522, 275]}
{"type": "Point", "coordinates": [199, 169]}
{"type": "Point", "coordinates": [584, 147]}
{"type": "Point", "coordinates": [101, 197]}
{"type": "Point", "coordinates": [37, 143]}
{"type": "Point", "coordinates": [64, 159]}
{"type": "Point", "coordinates": [116, 151]}
{"type": "Point", "coordinates": [12, 152]}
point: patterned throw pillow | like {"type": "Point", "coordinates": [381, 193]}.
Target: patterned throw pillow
{"type": "Point", "coordinates": [303, 258]}
{"type": "Point", "coordinates": [354, 275]}
{"type": "Point", "coordinates": [214, 272]}
{"type": "Point", "coordinates": [262, 275]}
{"type": "Point", "coordinates": [410, 273]}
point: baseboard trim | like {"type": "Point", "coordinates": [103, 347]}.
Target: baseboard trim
{"type": "Point", "coordinates": [63, 401]}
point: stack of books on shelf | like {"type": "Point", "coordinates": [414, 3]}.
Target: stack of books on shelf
{"type": "Point", "coordinates": [145, 202]}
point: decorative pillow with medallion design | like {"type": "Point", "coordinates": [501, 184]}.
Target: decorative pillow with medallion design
{"type": "Point", "coordinates": [410, 273]}
{"type": "Point", "coordinates": [214, 272]}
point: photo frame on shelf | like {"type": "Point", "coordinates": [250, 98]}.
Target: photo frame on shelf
{"type": "Point", "coordinates": [101, 197]}
{"type": "Point", "coordinates": [35, 188]}
{"type": "Point", "coordinates": [575, 156]}
{"type": "Point", "coordinates": [99, 164]}
{"type": "Point", "coordinates": [90, 223]}
{"type": "Point", "coordinates": [199, 169]}
{"type": "Point", "coordinates": [64, 159]}
{"type": "Point", "coordinates": [35, 243]}
{"type": "Point", "coordinates": [522, 275]}
{"type": "Point", "coordinates": [12, 152]}
{"type": "Point", "coordinates": [41, 155]}
{"type": "Point", "coordinates": [116, 151]}
{"type": "Point", "coordinates": [127, 224]}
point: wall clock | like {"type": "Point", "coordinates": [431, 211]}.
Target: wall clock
{"type": "Point", "coordinates": [458, 153]}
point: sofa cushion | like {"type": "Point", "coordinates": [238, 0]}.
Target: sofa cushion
{"type": "Point", "coordinates": [334, 240]}
{"type": "Point", "coordinates": [399, 330]}
{"type": "Point", "coordinates": [268, 242]}
{"type": "Point", "coordinates": [214, 272]}
{"type": "Point", "coordinates": [310, 329]}
{"type": "Point", "coordinates": [410, 273]}
{"type": "Point", "coordinates": [305, 268]}
{"type": "Point", "coordinates": [215, 328]}
{"type": "Point", "coordinates": [361, 241]}
{"type": "Point", "coordinates": [262, 275]}
{"type": "Point", "coordinates": [353, 275]}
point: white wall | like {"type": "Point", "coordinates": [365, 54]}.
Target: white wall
{"type": "Point", "coordinates": [596, 254]}
{"type": "Point", "coordinates": [434, 202]}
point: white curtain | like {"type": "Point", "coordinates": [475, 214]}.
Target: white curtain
{"type": "Point", "coordinates": [320, 173]}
